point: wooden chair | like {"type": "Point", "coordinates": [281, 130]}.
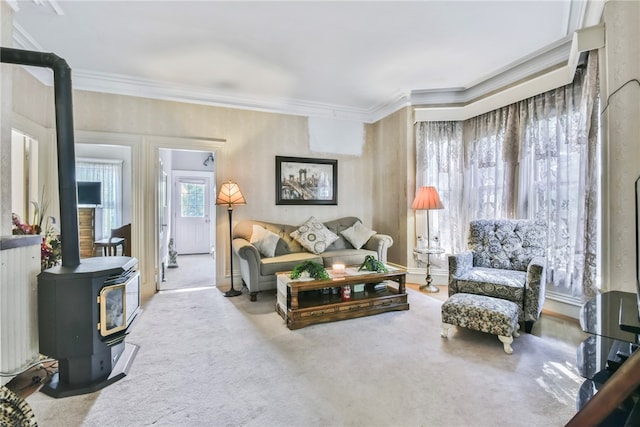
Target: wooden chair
{"type": "Point", "coordinates": [123, 232]}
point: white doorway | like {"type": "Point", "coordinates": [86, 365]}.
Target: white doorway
{"type": "Point", "coordinates": [187, 219]}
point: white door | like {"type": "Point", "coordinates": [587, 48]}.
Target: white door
{"type": "Point", "coordinates": [163, 219]}
{"type": "Point", "coordinates": [192, 203]}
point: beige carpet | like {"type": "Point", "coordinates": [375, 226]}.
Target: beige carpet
{"type": "Point", "coordinates": [207, 360]}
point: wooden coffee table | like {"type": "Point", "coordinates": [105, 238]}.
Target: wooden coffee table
{"type": "Point", "coordinates": [301, 302]}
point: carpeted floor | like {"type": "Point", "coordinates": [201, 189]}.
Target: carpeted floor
{"type": "Point", "coordinates": [192, 271]}
{"type": "Point", "coordinates": [207, 360]}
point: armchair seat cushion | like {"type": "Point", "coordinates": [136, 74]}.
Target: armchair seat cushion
{"type": "Point", "coordinates": [494, 282]}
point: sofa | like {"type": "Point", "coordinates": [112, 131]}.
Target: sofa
{"type": "Point", "coordinates": [258, 270]}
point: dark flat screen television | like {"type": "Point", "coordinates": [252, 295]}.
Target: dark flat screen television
{"type": "Point", "coordinates": [630, 312]}
{"type": "Point", "coordinates": [638, 242]}
{"type": "Point", "coordinates": [89, 193]}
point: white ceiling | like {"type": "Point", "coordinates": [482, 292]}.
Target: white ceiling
{"type": "Point", "coordinates": [358, 60]}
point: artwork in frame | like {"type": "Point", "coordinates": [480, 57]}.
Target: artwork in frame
{"type": "Point", "coordinates": [306, 181]}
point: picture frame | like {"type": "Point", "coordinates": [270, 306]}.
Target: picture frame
{"type": "Point", "coordinates": [306, 181]}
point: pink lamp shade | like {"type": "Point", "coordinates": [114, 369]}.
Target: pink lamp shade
{"type": "Point", "coordinates": [427, 198]}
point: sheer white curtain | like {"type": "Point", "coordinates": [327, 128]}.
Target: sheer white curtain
{"type": "Point", "coordinates": [109, 173]}
{"type": "Point", "coordinates": [490, 162]}
{"type": "Point", "coordinates": [559, 177]}
{"type": "Point", "coordinates": [440, 163]}
{"type": "Point", "coordinates": [534, 159]}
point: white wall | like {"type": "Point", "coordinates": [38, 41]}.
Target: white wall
{"type": "Point", "coordinates": [245, 144]}
{"type": "Point", "coordinates": [6, 108]}
{"type": "Point", "coordinates": [620, 63]}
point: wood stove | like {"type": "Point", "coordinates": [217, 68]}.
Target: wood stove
{"type": "Point", "coordinates": [84, 314]}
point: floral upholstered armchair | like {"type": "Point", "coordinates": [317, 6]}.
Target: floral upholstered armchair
{"type": "Point", "coordinates": [505, 260]}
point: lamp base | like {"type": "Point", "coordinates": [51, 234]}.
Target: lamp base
{"type": "Point", "coordinates": [429, 288]}
{"type": "Point", "coordinates": [232, 293]}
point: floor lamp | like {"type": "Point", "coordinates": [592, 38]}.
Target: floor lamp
{"type": "Point", "coordinates": [230, 196]}
{"type": "Point", "coordinates": [428, 199]}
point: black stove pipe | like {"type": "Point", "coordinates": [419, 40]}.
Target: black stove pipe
{"type": "Point", "coordinates": [65, 144]}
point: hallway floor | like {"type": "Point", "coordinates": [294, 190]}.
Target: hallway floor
{"type": "Point", "coordinates": [193, 271]}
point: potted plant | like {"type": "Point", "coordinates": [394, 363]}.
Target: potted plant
{"type": "Point", "coordinates": [314, 270]}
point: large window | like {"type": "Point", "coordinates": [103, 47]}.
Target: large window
{"type": "Point", "coordinates": [534, 159]}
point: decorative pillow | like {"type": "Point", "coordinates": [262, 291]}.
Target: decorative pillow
{"type": "Point", "coordinates": [314, 236]}
{"type": "Point", "coordinates": [357, 234]}
{"type": "Point", "coordinates": [264, 240]}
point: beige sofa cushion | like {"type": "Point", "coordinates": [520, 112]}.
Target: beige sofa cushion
{"type": "Point", "coordinates": [285, 245]}
{"type": "Point", "coordinates": [314, 236]}
{"type": "Point", "coordinates": [357, 234]}
{"type": "Point", "coordinates": [264, 240]}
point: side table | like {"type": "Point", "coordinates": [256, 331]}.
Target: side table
{"type": "Point", "coordinates": [419, 254]}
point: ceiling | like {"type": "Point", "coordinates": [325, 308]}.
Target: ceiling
{"type": "Point", "coordinates": [356, 60]}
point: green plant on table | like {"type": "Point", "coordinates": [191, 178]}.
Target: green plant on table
{"type": "Point", "coordinates": [372, 264]}
{"type": "Point", "coordinates": [314, 269]}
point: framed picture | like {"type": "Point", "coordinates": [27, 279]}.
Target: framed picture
{"type": "Point", "coordinates": [305, 181]}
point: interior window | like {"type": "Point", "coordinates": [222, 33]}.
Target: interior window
{"type": "Point", "coordinates": [109, 173]}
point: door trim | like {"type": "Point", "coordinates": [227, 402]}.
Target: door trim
{"type": "Point", "coordinates": [150, 216]}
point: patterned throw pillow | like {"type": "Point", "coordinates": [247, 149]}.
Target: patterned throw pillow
{"type": "Point", "coordinates": [357, 234]}
{"type": "Point", "coordinates": [264, 240]}
{"type": "Point", "coordinates": [314, 236]}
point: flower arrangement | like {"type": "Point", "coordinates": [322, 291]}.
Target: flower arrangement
{"type": "Point", "coordinates": [51, 247]}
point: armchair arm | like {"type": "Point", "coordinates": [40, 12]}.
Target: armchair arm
{"type": "Point", "coordinates": [535, 288]}
{"type": "Point", "coordinates": [249, 262]}
{"type": "Point", "coordinates": [459, 264]}
{"type": "Point", "coordinates": [381, 244]}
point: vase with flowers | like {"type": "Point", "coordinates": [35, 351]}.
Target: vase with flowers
{"type": "Point", "coordinates": [50, 247]}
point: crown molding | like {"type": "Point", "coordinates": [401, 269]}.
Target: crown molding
{"type": "Point", "coordinates": [130, 86]}
{"type": "Point", "coordinates": [95, 81]}
{"type": "Point", "coordinates": [540, 61]}
{"type": "Point", "coordinates": [125, 85]}
{"type": "Point", "coordinates": [23, 40]}
{"type": "Point", "coordinates": [52, 4]}
{"type": "Point", "coordinates": [583, 40]}
{"type": "Point", "coordinates": [551, 60]}
{"type": "Point", "coordinates": [13, 4]}
{"type": "Point", "coordinates": [384, 109]}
